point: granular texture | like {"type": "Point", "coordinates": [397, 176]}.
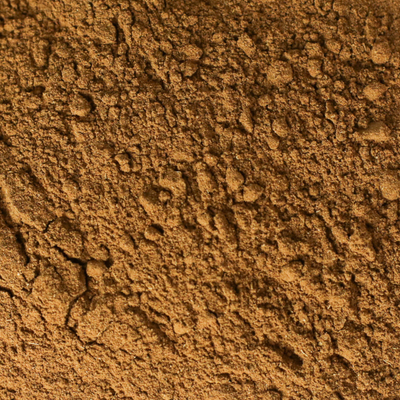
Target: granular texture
{"type": "Point", "coordinates": [199, 199]}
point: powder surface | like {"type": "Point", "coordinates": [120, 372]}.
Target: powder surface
{"type": "Point", "coordinates": [199, 199]}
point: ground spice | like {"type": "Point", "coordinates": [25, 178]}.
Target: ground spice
{"type": "Point", "coordinates": [199, 200]}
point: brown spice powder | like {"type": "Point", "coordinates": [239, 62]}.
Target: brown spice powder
{"type": "Point", "coordinates": [199, 200]}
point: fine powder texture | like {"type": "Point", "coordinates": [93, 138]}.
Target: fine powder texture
{"type": "Point", "coordinates": [199, 199]}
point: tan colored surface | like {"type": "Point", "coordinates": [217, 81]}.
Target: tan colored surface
{"type": "Point", "coordinates": [199, 200]}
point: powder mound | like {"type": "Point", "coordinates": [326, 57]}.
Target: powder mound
{"type": "Point", "coordinates": [360, 243]}
{"type": "Point", "coordinates": [93, 322]}
{"type": "Point", "coordinates": [280, 127]}
{"type": "Point", "coordinates": [272, 141]}
{"type": "Point", "coordinates": [124, 162]}
{"type": "Point", "coordinates": [374, 91]}
{"type": "Point", "coordinates": [152, 233]}
{"type": "Point", "coordinates": [234, 178]}
{"type": "Point", "coordinates": [252, 192]}
{"type": "Point", "coordinates": [192, 52]}
{"type": "Point", "coordinates": [291, 273]}
{"type": "Point", "coordinates": [96, 269]}
{"type": "Point", "coordinates": [50, 296]}
{"type": "Point", "coordinates": [280, 73]}
{"type": "Point", "coordinates": [63, 235]}
{"type": "Point", "coordinates": [206, 181]}
{"type": "Point", "coordinates": [26, 200]}
{"type": "Point", "coordinates": [105, 31]}
{"type": "Point", "coordinates": [173, 181]}
{"type": "Point", "coordinates": [247, 45]}
{"type": "Point", "coordinates": [150, 201]}
{"type": "Point", "coordinates": [226, 230]}
{"type": "Point", "coordinates": [376, 131]}
{"type": "Point", "coordinates": [180, 329]}
{"type": "Point", "coordinates": [80, 106]}
{"type": "Point", "coordinates": [390, 186]}
{"type": "Point", "coordinates": [314, 67]}
{"type": "Point", "coordinates": [381, 52]}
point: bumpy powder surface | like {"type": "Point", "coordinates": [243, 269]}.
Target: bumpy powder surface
{"type": "Point", "coordinates": [199, 200]}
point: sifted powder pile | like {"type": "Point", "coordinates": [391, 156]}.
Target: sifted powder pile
{"type": "Point", "coordinates": [199, 199]}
